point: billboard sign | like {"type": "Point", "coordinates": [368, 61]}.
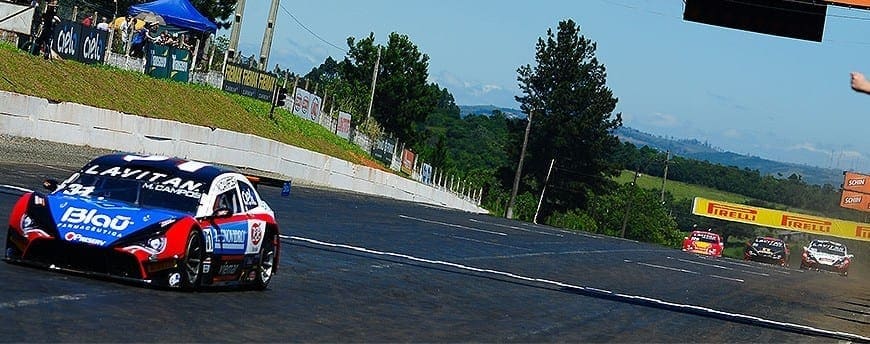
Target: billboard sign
{"type": "Point", "coordinates": [407, 161]}
{"type": "Point", "coordinates": [72, 41]}
{"type": "Point", "coordinates": [781, 219]}
{"type": "Point", "coordinates": [342, 129]}
{"type": "Point", "coordinates": [249, 82]}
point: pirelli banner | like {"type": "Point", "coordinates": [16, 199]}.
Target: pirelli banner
{"type": "Point", "coordinates": [781, 219]}
{"type": "Point", "coordinates": [249, 82]}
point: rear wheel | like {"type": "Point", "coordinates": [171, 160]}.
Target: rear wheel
{"type": "Point", "coordinates": [191, 266]}
{"type": "Point", "coordinates": [266, 266]}
{"type": "Point", "coordinates": [12, 251]}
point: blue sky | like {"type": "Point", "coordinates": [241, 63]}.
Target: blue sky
{"type": "Point", "coordinates": [773, 97]}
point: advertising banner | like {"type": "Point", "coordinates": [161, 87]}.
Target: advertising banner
{"type": "Point", "coordinates": [315, 106]}
{"type": "Point", "coordinates": [856, 182]}
{"type": "Point", "coordinates": [855, 200]}
{"type": "Point", "coordinates": [407, 161]}
{"type": "Point", "coordinates": [73, 42]}
{"type": "Point", "coordinates": [426, 174]}
{"type": "Point", "coordinates": [781, 219]}
{"type": "Point", "coordinates": [383, 150]}
{"type": "Point", "coordinates": [342, 129]}
{"type": "Point", "coordinates": [248, 82]}
{"type": "Point", "coordinates": [66, 39]}
{"type": "Point", "coordinates": [301, 103]}
{"type": "Point", "coordinates": [181, 61]}
{"type": "Point", "coordinates": [157, 61]}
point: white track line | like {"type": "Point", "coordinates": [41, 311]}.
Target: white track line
{"type": "Point", "coordinates": [44, 300]}
{"type": "Point", "coordinates": [480, 241]}
{"type": "Point", "coordinates": [451, 225]}
{"type": "Point", "coordinates": [668, 268]}
{"type": "Point", "coordinates": [538, 254]}
{"type": "Point", "coordinates": [16, 188]}
{"type": "Point", "coordinates": [704, 264]}
{"type": "Point", "coordinates": [610, 294]}
{"type": "Point", "coordinates": [728, 278]}
{"type": "Point", "coordinates": [517, 228]}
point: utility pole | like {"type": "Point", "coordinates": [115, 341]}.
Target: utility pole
{"type": "Point", "coordinates": [665, 178]}
{"type": "Point", "coordinates": [235, 30]}
{"type": "Point", "coordinates": [629, 202]}
{"type": "Point", "coordinates": [544, 189]}
{"type": "Point", "coordinates": [267, 35]}
{"type": "Point", "coordinates": [374, 82]}
{"type": "Point", "coordinates": [510, 209]}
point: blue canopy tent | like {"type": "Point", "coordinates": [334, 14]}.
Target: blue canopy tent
{"type": "Point", "coordinates": [179, 13]}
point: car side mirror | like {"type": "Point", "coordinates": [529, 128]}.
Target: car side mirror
{"type": "Point", "coordinates": [222, 212]}
{"type": "Point", "coordinates": [50, 184]}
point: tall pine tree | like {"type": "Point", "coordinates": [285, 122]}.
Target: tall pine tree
{"type": "Point", "coordinates": [572, 118]}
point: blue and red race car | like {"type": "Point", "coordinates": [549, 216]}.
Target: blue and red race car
{"type": "Point", "coordinates": [162, 221]}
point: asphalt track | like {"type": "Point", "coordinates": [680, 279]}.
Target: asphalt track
{"type": "Point", "coordinates": [357, 268]}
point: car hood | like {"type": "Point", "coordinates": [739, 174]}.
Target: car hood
{"type": "Point", "coordinates": [102, 222]}
{"type": "Point", "coordinates": [824, 258]}
{"type": "Point", "coordinates": [767, 251]}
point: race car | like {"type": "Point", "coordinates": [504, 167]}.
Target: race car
{"type": "Point", "coordinates": [826, 255]}
{"type": "Point", "coordinates": [163, 221]}
{"type": "Point", "coordinates": [767, 250]}
{"type": "Point", "coordinates": [704, 242]}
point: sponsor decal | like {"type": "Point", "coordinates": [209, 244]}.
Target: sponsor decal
{"type": "Point", "coordinates": [73, 236]}
{"type": "Point", "coordinates": [256, 233]}
{"type": "Point", "coordinates": [852, 200]}
{"type": "Point", "coordinates": [206, 265]}
{"type": "Point", "coordinates": [248, 198]}
{"type": "Point", "coordinates": [93, 221]}
{"type": "Point", "coordinates": [154, 181]}
{"type": "Point", "coordinates": [804, 223]}
{"type": "Point", "coordinates": [231, 239]}
{"type": "Point", "coordinates": [862, 232]}
{"type": "Point", "coordinates": [225, 183]}
{"type": "Point", "coordinates": [228, 269]}
{"type": "Point", "coordinates": [737, 213]}
{"type": "Point", "coordinates": [209, 240]}
{"type": "Point", "coordinates": [174, 279]}
{"type": "Point", "coordinates": [856, 182]}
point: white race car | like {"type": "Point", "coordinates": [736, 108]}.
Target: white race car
{"type": "Point", "coordinates": [826, 255]}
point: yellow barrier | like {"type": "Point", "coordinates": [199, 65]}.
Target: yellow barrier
{"type": "Point", "coordinates": [781, 219]}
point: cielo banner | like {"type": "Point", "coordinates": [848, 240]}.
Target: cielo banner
{"type": "Point", "coordinates": [781, 219]}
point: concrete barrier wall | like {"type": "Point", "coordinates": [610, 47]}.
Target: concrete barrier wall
{"type": "Point", "coordinates": [27, 116]}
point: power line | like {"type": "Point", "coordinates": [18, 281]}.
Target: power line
{"type": "Point", "coordinates": [311, 32]}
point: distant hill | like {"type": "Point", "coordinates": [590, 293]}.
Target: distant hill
{"type": "Point", "coordinates": [703, 151]}
{"type": "Point", "coordinates": [486, 110]}
{"type": "Point", "coordinates": [699, 150]}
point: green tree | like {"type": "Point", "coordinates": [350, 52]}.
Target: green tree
{"type": "Point", "coordinates": [645, 217]}
{"type": "Point", "coordinates": [572, 116]}
{"type": "Point", "coordinates": [402, 98]}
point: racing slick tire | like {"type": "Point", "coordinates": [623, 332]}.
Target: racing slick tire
{"type": "Point", "coordinates": [191, 266]}
{"type": "Point", "coordinates": [266, 265]}
{"type": "Point", "coordinates": [11, 252]}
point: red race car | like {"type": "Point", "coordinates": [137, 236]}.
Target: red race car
{"type": "Point", "coordinates": [157, 220]}
{"type": "Point", "coordinates": [704, 242]}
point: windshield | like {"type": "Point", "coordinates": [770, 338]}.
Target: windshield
{"type": "Point", "coordinates": [768, 243]}
{"type": "Point", "coordinates": [829, 248]}
{"type": "Point", "coordinates": [705, 237]}
{"type": "Point", "coordinates": [142, 193]}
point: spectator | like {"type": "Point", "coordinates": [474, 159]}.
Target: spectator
{"type": "Point", "coordinates": [49, 20]}
{"type": "Point", "coordinates": [143, 38]}
{"type": "Point", "coordinates": [87, 21]}
{"type": "Point", "coordinates": [125, 30]}
{"type": "Point", "coordinates": [103, 25]}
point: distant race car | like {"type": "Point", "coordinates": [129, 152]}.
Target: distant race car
{"type": "Point", "coordinates": [162, 221]}
{"type": "Point", "coordinates": [767, 250]}
{"type": "Point", "coordinates": [703, 242]}
{"type": "Point", "coordinates": [826, 255]}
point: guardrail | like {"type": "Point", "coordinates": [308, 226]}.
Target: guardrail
{"type": "Point", "coordinates": [28, 116]}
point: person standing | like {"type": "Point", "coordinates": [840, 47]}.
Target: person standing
{"type": "Point", "coordinates": [44, 40]}
{"type": "Point", "coordinates": [103, 25]}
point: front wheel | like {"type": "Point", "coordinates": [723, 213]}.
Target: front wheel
{"type": "Point", "coordinates": [266, 266]}
{"type": "Point", "coordinates": [190, 268]}
{"type": "Point", "coordinates": [12, 251]}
